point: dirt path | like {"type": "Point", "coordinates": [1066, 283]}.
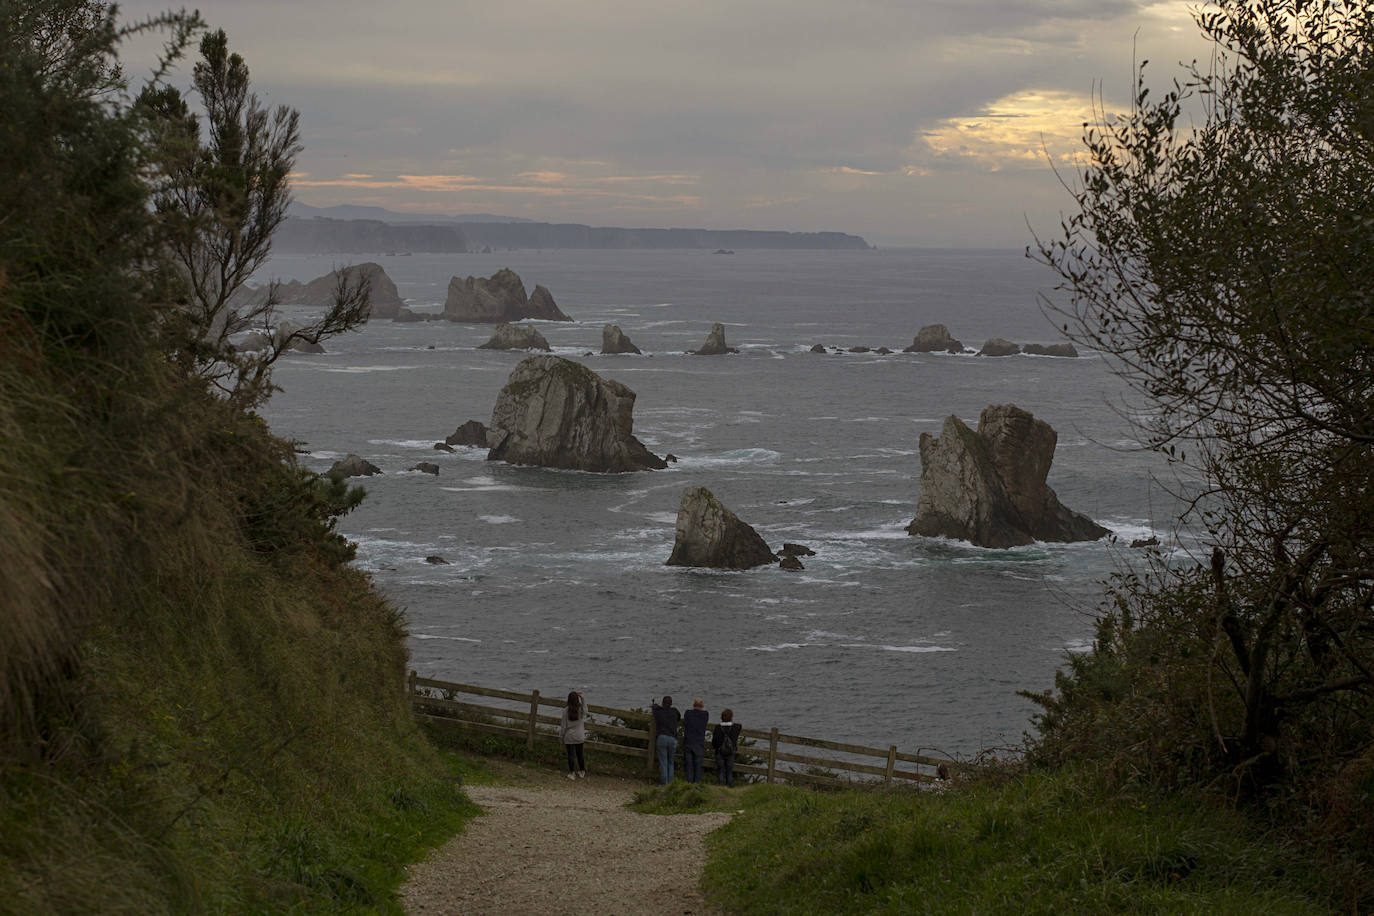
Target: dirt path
{"type": "Point", "coordinates": [548, 845]}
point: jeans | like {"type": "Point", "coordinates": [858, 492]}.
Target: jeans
{"type": "Point", "coordinates": [667, 750]}
{"type": "Point", "coordinates": [581, 764]}
{"type": "Point", "coordinates": [725, 770]}
{"type": "Point", "coordinates": [691, 762]}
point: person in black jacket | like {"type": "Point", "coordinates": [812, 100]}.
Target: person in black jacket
{"type": "Point", "coordinates": [725, 743]}
{"type": "Point", "coordinates": [666, 720]}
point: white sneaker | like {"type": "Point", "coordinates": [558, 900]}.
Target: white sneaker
{"type": "Point", "coordinates": [581, 774]}
{"type": "Point", "coordinates": [572, 775]}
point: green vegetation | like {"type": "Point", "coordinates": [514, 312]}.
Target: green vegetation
{"type": "Point", "coordinates": [1057, 843]}
{"type": "Point", "coordinates": [680, 797]}
{"type": "Point", "coordinates": [203, 708]}
{"type": "Point", "coordinates": [1221, 256]}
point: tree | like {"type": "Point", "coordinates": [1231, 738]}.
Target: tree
{"type": "Point", "coordinates": [220, 199]}
{"type": "Point", "coordinates": [1222, 256]}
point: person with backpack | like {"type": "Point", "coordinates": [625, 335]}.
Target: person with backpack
{"type": "Point", "coordinates": [725, 742]}
{"type": "Point", "coordinates": [666, 720]}
{"type": "Point", "coordinates": [572, 731]}
{"type": "Point", "coordinates": [694, 723]}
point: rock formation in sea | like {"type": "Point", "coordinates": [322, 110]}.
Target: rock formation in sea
{"type": "Point", "coordinates": [715, 343]}
{"type": "Point", "coordinates": [557, 413]}
{"type": "Point", "coordinates": [445, 447]}
{"type": "Point", "coordinates": [1065, 350]}
{"type": "Point", "coordinates": [385, 300]}
{"type": "Point", "coordinates": [934, 338]}
{"type": "Point", "coordinates": [473, 434]}
{"type": "Point", "coordinates": [988, 487]}
{"type": "Point", "coordinates": [541, 305]}
{"type": "Point", "coordinates": [516, 337]}
{"type": "Point", "coordinates": [284, 331]}
{"type": "Point", "coordinates": [708, 534]}
{"type": "Point", "coordinates": [613, 340]}
{"type": "Point", "coordinates": [996, 346]}
{"type": "Point", "coordinates": [426, 467]}
{"type": "Point", "coordinates": [497, 299]}
{"type": "Point", "coordinates": [353, 466]}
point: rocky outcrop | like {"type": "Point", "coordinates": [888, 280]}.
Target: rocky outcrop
{"type": "Point", "coordinates": [284, 332]}
{"type": "Point", "coordinates": [715, 343]}
{"type": "Point", "coordinates": [934, 338]}
{"type": "Point", "coordinates": [790, 562]}
{"type": "Point", "coordinates": [613, 340]}
{"type": "Point", "coordinates": [1064, 350]}
{"type": "Point", "coordinates": [445, 447]}
{"type": "Point", "coordinates": [818, 348]}
{"type": "Point", "coordinates": [473, 434]}
{"type": "Point", "coordinates": [353, 466]}
{"type": "Point", "coordinates": [405, 315]}
{"type": "Point", "coordinates": [516, 337]}
{"type": "Point", "coordinates": [708, 534]}
{"type": "Point", "coordinates": [795, 550]}
{"type": "Point", "coordinates": [996, 346]}
{"type": "Point", "coordinates": [988, 487]}
{"type": "Point", "coordinates": [385, 301]}
{"type": "Point", "coordinates": [557, 413]}
{"type": "Point", "coordinates": [497, 299]}
{"type": "Point", "coordinates": [426, 467]}
{"type": "Point", "coordinates": [541, 305]}
{"type": "Point", "coordinates": [1150, 541]}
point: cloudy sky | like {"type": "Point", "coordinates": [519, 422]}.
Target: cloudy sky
{"type": "Point", "coordinates": [910, 122]}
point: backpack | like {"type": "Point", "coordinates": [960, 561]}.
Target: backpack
{"type": "Point", "coordinates": [727, 741]}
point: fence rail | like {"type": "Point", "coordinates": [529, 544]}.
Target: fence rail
{"type": "Point", "coordinates": [631, 734]}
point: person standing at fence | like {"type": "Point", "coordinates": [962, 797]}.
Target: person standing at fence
{"type": "Point", "coordinates": [694, 723]}
{"type": "Point", "coordinates": [725, 742]}
{"type": "Point", "coordinates": [666, 719]}
{"type": "Point", "coordinates": [572, 731]}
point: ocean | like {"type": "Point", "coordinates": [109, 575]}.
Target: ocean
{"type": "Point", "coordinates": [556, 580]}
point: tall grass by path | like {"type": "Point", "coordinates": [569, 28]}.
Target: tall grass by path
{"type": "Point", "coordinates": [1043, 843]}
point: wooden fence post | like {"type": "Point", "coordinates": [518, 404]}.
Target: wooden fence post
{"type": "Point", "coordinates": [772, 754]}
{"type": "Point", "coordinates": [653, 745]}
{"type": "Point", "coordinates": [891, 764]}
{"type": "Point", "coordinates": [411, 684]}
{"type": "Point", "coordinates": [534, 719]}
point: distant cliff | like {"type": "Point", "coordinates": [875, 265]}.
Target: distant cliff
{"type": "Point", "coordinates": [575, 235]}
{"type": "Point", "coordinates": [359, 236]}
{"type": "Point", "coordinates": [364, 236]}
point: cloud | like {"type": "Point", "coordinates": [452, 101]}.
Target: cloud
{"type": "Point", "coordinates": [1027, 129]}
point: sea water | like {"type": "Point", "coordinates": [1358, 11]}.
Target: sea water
{"type": "Point", "coordinates": [555, 580]}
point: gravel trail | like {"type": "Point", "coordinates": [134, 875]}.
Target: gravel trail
{"type": "Point", "coordinates": [549, 845]}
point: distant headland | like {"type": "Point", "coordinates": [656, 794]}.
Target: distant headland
{"type": "Point", "coordinates": [310, 230]}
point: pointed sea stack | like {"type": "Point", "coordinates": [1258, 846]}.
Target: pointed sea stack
{"type": "Point", "coordinates": [715, 343]}
{"type": "Point", "coordinates": [710, 535]}
{"type": "Point", "coordinates": [613, 340]}
{"type": "Point", "coordinates": [988, 487]}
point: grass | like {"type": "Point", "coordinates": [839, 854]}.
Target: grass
{"type": "Point", "coordinates": [1036, 844]}
{"type": "Point", "coordinates": [681, 797]}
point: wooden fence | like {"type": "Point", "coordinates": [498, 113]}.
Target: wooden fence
{"type": "Point", "coordinates": [768, 754]}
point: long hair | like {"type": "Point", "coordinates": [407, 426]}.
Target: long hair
{"type": "Point", "coordinates": [574, 706]}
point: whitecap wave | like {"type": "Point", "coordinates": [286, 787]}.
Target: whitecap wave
{"type": "Point", "coordinates": [742, 457]}
{"type": "Point", "coordinates": [498, 519]}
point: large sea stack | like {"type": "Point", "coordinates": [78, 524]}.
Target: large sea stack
{"type": "Point", "coordinates": [988, 487]}
{"type": "Point", "coordinates": [386, 301]}
{"type": "Point", "coordinates": [557, 413]}
{"type": "Point", "coordinates": [497, 299]}
{"type": "Point", "coordinates": [708, 534]}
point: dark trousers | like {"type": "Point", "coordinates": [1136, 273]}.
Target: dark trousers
{"type": "Point", "coordinates": [581, 764]}
{"type": "Point", "coordinates": [725, 770]}
{"type": "Point", "coordinates": [691, 762]}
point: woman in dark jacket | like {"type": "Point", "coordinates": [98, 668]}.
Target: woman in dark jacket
{"type": "Point", "coordinates": [725, 743]}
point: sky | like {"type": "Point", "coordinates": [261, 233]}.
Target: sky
{"type": "Point", "coordinates": [910, 122]}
